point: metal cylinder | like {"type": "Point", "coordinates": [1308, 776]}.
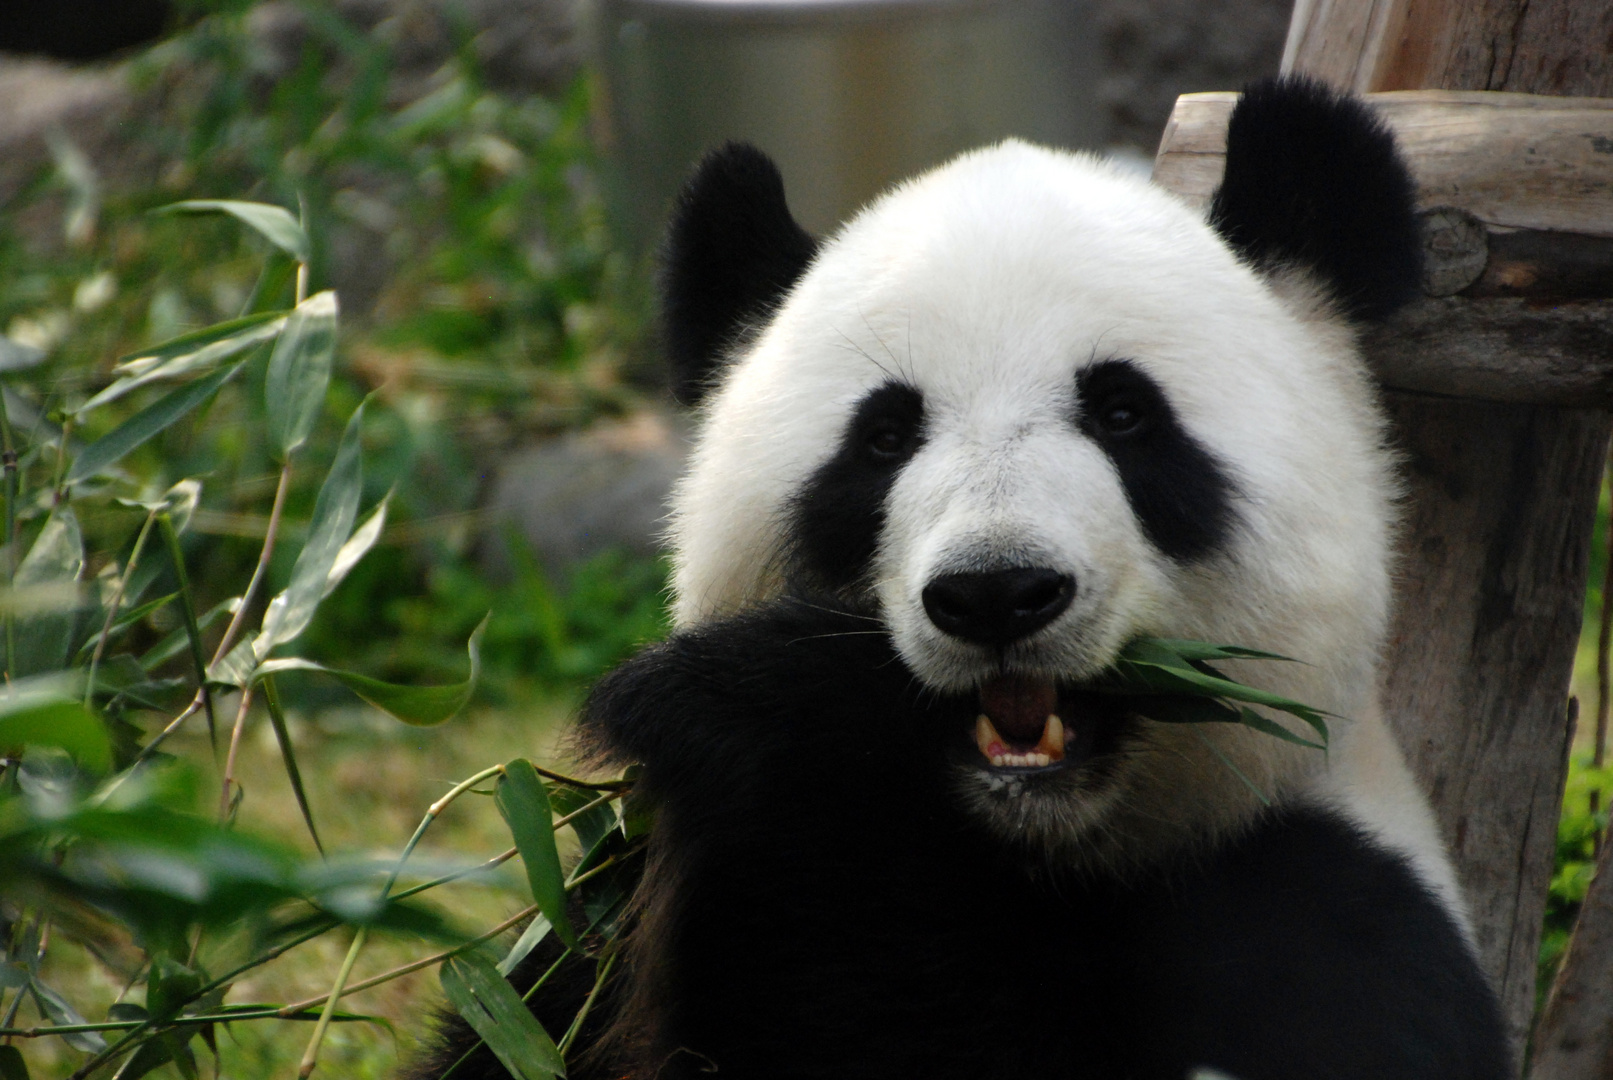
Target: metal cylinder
{"type": "Point", "coordinates": [848, 96]}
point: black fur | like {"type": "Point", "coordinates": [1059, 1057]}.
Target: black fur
{"type": "Point", "coordinates": [1313, 178]}
{"type": "Point", "coordinates": [1180, 493]}
{"type": "Point", "coordinates": [838, 515]}
{"type": "Point", "coordinates": [824, 907]}
{"type": "Point", "coordinates": [732, 252]}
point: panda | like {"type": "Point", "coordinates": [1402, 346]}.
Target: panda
{"type": "Point", "coordinates": [1016, 413]}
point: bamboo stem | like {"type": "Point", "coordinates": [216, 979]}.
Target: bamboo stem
{"type": "Point", "coordinates": [310, 1057]}
{"type": "Point", "coordinates": [112, 608]}
{"type": "Point", "coordinates": [261, 569]}
{"type": "Point", "coordinates": [8, 459]}
{"type": "Point", "coordinates": [416, 965]}
{"type": "Point", "coordinates": [229, 761]}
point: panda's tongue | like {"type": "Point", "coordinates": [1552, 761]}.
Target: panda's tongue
{"type": "Point", "coordinates": [1018, 706]}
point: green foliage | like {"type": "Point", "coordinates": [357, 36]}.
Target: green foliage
{"type": "Point", "coordinates": [542, 635]}
{"type": "Point", "coordinates": [199, 491]}
{"type": "Point", "coordinates": [1176, 684]}
{"type": "Point", "coordinates": [104, 839]}
{"type": "Point", "coordinates": [1584, 819]}
{"type": "Point", "coordinates": [467, 223]}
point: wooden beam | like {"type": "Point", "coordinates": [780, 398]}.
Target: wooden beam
{"type": "Point", "coordinates": [1562, 47]}
{"type": "Point", "coordinates": [1503, 350]}
{"type": "Point", "coordinates": [1514, 161]}
{"type": "Point", "coordinates": [1517, 193]}
{"type": "Point", "coordinates": [1500, 498]}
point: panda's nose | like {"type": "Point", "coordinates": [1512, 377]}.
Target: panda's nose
{"type": "Point", "coordinates": [999, 606]}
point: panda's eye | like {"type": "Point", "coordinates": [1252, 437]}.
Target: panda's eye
{"type": "Point", "coordinates": [1121, 418]}
{"type": "Point", "coordinates": [889, 442]}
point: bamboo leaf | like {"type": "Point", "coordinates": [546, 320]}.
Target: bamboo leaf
{"type": "Point", "coordinates": [33, 720]}
{"type": "Point", "coordinates": [178, 502]}
{"type": "Point", "coordinates": [1249, 718]}
{"type": "Point", "coordinates": [419, 706]}
{"type": "Point", "coordinates": [277, 718]}
{"type": "Point", "coordinates": [358, 545]}
{"type": "Point", "coordinates": [530, 938]}
{"type": "Point", "coordinates": [56, 1008]}
{"type": "Point", "coordinates": [524, 802]}
{"type": "Point", "coordinates": [334, 510]}
{"type": "Point", "coordinates": [155, 418]}
{"type": "Point", "coordinates": [275, 223]}
{"type": "Point", "coordinates": [171, 646]}
{"type": "Point", "coordinates": [1171, 673]}
{"type": "Point", "coordinates": [12, 1067]}
{"type": "Point", "coordinates": [299, 372]}
{"type": "Point", "coordinates": [193, 629]}
{"type": "Point", "coordinates": [15, 356]}
{"type": "Point", "coordinates": [44, 637]}
{"type": "Point", "coordinates": [1150, 677]}
{"type": "Point", "coordinates": [57, 554]}
{"type": "Point", "coordinates": [1168, 709]}
{"type": "Point", "coordinates": [1203, 650]}
{"type": "Point", "coordinates": [199, 350]}
{"type": "Point", "coordinates": [236, 667]}
{"type": "Point", "coordinates": [152, 1054]}
{"type": "Point", "coordinates": [495, 1012]}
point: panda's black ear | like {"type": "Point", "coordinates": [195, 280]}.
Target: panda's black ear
{"type": "Point", "coordinates": [1313, 178]}
{"type": "Point", "coordinates": [732, 252]}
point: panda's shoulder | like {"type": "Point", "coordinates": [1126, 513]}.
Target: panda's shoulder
{"type": "Point", "coordinates": [1303, 917]}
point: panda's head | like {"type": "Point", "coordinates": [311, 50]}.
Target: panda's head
{"type": "Point", "coordinates": [1025, 408]}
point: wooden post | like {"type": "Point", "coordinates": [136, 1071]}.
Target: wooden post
{"type": "Point", "coordinates": [1501, 499]}
{"type": "Point", "coordinates": [1575, 1037]}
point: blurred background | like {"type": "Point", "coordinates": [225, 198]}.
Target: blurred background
{"type": "Point", "coordinates": [483, 182]}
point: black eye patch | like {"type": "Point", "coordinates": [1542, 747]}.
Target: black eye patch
{"type": "Point", "coordinates": [1178, 490]}
{"type": "Point", "coordinates": [837, 516]}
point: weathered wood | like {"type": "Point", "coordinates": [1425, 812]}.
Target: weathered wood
{"type": "Point", "coordinates": [1560, 47]}
{"type": "Point", "coordinates": [1499, 350]}
{"type": "Point", "coordinates": [1575, 1037]}
{"type": "Point", "coordinates": [1555, 265]}
{"type": "Point", "coordinates": [1514, 161]}
{"type": "Point", "coordinates": [1510, 211]}
{"type": "Point", "coordinates": [1501, 497]}
{"type": "Point", "coordinates": [1483, 643]}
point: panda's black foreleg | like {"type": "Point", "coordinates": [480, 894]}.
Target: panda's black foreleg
{"type": "Point", "coordinates": [720, 705]}
{"type": "Point", "coordinates": [694, 711]}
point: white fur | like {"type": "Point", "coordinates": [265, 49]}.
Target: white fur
{"type": "Point", "coordinates": [987, 284]}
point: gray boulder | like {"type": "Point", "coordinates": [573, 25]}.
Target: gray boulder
{"type": "Point", "coordinates": [590, 491]}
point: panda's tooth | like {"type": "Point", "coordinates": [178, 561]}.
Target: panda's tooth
{"type": "Point", "coordinates": [992, 745]}
{"type": "Point", "coordinates": [1052, 742]}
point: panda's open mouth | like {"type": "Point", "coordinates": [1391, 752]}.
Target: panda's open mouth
{"type": "Point", "coordinates": [1030, 724]}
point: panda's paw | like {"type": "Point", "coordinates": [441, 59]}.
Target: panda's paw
{"type": "Point", "coordinates": [744, 686]}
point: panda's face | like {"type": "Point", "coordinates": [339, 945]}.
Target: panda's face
{"type": "Point", "coordinates": [1021, 412]}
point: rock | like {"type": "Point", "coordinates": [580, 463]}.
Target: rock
{"type": "Point", "coordinates": [586, 492]}
{"type": "Point", "coordinates": [46, 100]}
